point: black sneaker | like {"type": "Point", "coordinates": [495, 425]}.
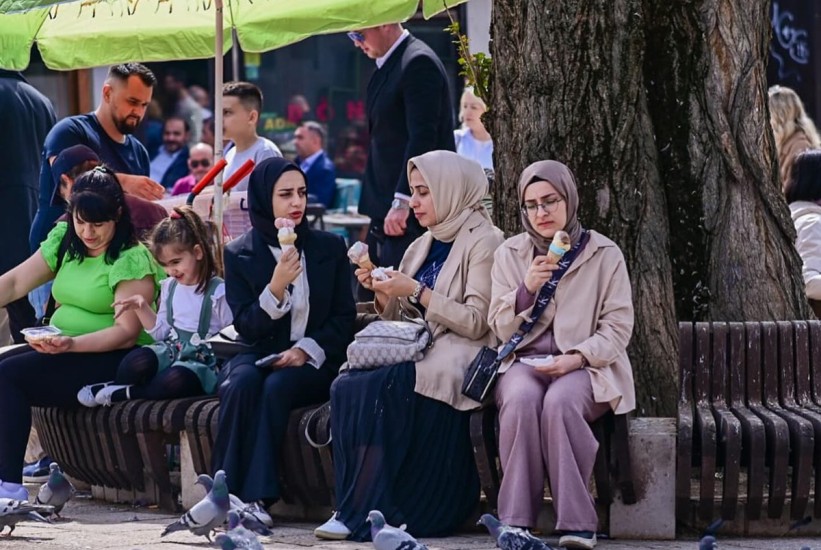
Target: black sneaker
{"type": "Point", "coordinates": [37, 472]}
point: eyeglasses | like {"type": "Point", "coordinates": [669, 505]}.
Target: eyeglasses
{"type": "Point", "coordinates": [546, 207]}
{"type": "Point", "coordinates": [356, 36]}
{"type": "Point", "coordinates": [205, 163]}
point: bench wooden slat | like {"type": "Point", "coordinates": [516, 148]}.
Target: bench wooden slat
{"type": "Point", "coordinates": [705, 422]}
{"type": "Point", "coordinates": [684, 441]}
{"type": "Point", "coordinates": [777, 432]}
{"type": "Point", "coordinates": [728, 425]}
{"type": "Point", "coordinates": [752, 428]}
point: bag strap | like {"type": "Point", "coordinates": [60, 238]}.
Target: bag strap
{"type": "Point", "coordinates": [169, 303]}
{"type": "Point", "coordinates": [51, 305]}
{"type": "Point", "coordinates": [206, 309]}
{"type": "Point", "coordinates": [544, 297]}
{"type": "Point", "coordinates": [313, 416]}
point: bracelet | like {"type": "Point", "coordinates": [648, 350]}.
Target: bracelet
{"type": "Point", "coordinates": [417, 293]}
{"type": "Point", "coordinates": [585, 362]}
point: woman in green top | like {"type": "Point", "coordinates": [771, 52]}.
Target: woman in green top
{"type": "Point", "coordinates": [94, 260]}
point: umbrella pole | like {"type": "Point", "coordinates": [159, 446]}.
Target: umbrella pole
{"type": "Point", "coordinates": [218, 153]}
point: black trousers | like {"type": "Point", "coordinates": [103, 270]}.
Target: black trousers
{"type": "Point", "coordinates": [32, 379]}
{"type": "Point", "coordinates": [255, 404]}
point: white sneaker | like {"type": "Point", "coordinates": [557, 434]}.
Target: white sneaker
{"type": "Point", "coordinates": [578, 540]}
{"type": "Point", "coordinates": [259, 512]}
{"type": "Point", "coordinates": [14, 491]}
{"type": "Point", "coordinates": [333, 529]}
{"type": "Point", "coordinates": [87, 393]}
{"type": "Point", "coordinates": [103, 397]}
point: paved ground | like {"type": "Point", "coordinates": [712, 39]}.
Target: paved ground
{"type": "Point", "coordinates": [90, 524]}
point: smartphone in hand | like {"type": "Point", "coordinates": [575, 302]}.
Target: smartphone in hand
{"type": "Point", "coordinates": [268, 360]}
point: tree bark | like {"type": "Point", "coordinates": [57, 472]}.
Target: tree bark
{"type": "Point", "coordinates": [659, 109]}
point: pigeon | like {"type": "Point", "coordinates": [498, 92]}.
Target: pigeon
{"type": "Point", "coordinates": [511, 538]}
{"type": "Point", "coordinates": [707, 542]}
{"type": "Point", "coordinates": [237, 535]}
{"type": "Point", "coordinates": [248, 519]}
{"type": "Point", "coordinates": [386, 537]}
{"type": "Point", "coordinates": [14, 511]}
{"type": "Point", "coordinates": [206, 515]}
{"type": "Point", "coordinates": [56, 491]}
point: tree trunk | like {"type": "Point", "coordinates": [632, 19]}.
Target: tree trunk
{"type": "Point", "coordinates": [660, 111]}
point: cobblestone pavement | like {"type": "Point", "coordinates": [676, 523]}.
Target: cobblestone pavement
{"type": "Point", "coordinates": [90, 524]}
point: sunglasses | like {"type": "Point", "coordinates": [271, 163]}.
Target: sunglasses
{"type": "Point", "coordinates": [197, 163]}
{"type": "Point", "coordinates": [356, 36]}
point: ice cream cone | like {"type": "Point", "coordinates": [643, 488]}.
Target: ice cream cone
{"type": "Point", "coordinates": [559, 247]}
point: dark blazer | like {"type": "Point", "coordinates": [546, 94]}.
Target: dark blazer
{"type": "Point", "coordinates": [322, 179]}
{"type": "Point", "coordinates": [410, 112]}
{"type": "Point", "coordinates": [26, 117]}
{"type": "Point", "coordinates": [178, 169]}
{"type": "Point", "coordinates": [249, 265]}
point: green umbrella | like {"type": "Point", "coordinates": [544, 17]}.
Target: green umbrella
{"type": "Point", "coordinates": [73, 34]}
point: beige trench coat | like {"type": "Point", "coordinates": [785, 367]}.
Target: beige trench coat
{"type": "Point", "coordinates": [595, 312]}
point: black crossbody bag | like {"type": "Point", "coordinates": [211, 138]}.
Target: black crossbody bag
{"type": "Point", "coordinates": [483, 371]}
{"type": "Point", "coordinates": [51, 305]}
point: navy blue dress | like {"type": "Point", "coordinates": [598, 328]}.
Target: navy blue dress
{"type": "Point", "coordinates": [399, 452]}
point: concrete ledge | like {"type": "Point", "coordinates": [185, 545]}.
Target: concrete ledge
{"type": "Point", "coordinates": [653, 457]}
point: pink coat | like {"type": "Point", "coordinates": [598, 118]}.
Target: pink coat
{"type": "Point", "coordinates": [591, 312]}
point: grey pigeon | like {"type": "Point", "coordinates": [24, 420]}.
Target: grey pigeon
{"type": "Point", "coordinates": [14, 511]}
{"type": "Point", "coordinates": [206, 515]}
{"type": "Point", "coordinates": [237, 535]}
{"type": "Point", "coordinates": [511, 538]}
{"type": "Point", "coordinates": [386, 537]}
{"type": "Point", "coordinates": [56, 491]}
{"type": "Point", "coordinates": [707, 542]}
{"type": "Point", "coordinates": [248, 518]}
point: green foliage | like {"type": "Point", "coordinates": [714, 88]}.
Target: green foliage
{"type": "Point", "coordinates": [476, 68]}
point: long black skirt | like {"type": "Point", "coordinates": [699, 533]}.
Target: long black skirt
{"type": "Point", "coordinates": [404, 454]}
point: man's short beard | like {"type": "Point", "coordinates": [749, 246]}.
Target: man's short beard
{"type": "Point", "coordinates": [124, 127]}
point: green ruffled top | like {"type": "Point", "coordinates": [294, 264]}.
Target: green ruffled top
{"type": "Point", "coordinates": [85, 290]}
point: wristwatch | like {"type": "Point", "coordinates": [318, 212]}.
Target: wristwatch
{"type": "Point", "coordinates": [417, 293]}
{"type": "Point", "coordinates": [399, 204]}
{"type": "Point", "coordinates": [585, 362]}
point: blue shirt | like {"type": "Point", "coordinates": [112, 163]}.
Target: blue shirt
{"type": "Point", "coordinates": [127, 158]}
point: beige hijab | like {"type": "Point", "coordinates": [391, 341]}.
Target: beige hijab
{"type": "Point", "coordinates": [457, 185]}
{"type": "Point", "coordinates": [560, 177]}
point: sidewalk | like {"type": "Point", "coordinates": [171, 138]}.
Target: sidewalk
{"type": "Point", "coordinates": [90, 524]}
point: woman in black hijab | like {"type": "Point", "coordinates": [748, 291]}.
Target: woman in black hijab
{"type": "Point", "coordinates": [297, 303]}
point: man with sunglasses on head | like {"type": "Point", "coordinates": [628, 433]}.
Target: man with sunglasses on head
{"type": "Point", "coordinates": [410, 112]}
{"type": "Point", "coordinates": [199, 162]}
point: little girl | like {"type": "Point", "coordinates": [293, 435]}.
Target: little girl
{"type": "Point", "coordinates": [192, 309]}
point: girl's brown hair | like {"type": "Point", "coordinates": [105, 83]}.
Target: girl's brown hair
{"type": "Point", "coordinates": [185, 229]}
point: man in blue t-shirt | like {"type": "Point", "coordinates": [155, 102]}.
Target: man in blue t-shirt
{"type": "Point", "coordinates": [125, 96]}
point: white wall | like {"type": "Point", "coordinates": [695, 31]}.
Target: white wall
{"type": "Point", "coordinates": [478, 25]}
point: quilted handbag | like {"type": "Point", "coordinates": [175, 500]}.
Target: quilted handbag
{"type": "Point", "coordinates": [383, 343]}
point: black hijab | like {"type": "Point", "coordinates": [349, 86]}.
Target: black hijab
{"type": "Point", "coordinates": [260, 200]}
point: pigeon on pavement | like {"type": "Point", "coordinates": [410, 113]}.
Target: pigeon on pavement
{"type": "Point", "coordinates": [56, 491]}
{"type": "Point", "coordinates": [707, 542]}
{"type": "Point", "coordinates": [237, 536]}
{"type": "Point", "coordinates": [14, 511]}
{"type": "Point", "coordinates": [511, 538]}
{"type": "Point", "coordinates": [248, 518]}
{"type": "Point", "coordinates": [386, 537]}
{"type": "Point", "coordinates": [206, 515]}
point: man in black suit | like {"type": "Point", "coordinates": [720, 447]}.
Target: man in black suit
{"type": "Point", "coordinates": [409, 113]}
{"type": "Point", "coordinates": [26, 116]}
{"type": "Point", "coordinates": [309, 141]}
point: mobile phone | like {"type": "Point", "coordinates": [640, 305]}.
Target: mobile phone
{"type": "Point", "coordinates": [268, 360]}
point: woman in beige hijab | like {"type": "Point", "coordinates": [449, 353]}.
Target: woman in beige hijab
{"type": "Point", "coordinates": [401, 436]}
{"type": "Point", "coordinates": [545, 407]}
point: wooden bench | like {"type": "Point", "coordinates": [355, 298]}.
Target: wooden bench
{"type": "Point", "coordinates": [749, 414]}
{"type": "Point", "coordinates": [122, 447]}
{"type": "Point", "coordinates": [612, 470]}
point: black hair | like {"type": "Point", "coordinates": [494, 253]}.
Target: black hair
{"type": "Point", "coordinates": [175, 117]}
{"type": "Point", "coordinates": [805, 180]}
{"type": "Point", "coordinates": [124, 70]}
{"type": "Point", "coordinates": [248, 94]}
{"type": "Point", "coordinates": [185, 229]}
{"type": "Point", "coordinates": [97, 197]}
